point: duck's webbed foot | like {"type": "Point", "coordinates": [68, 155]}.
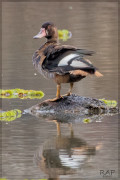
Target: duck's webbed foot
{"type": "Point", "coordinates": [58, 97]}
{"type": "Point", "coordinates": [68, 94]}
{"type": "Point", "coordinates": [54, 99]}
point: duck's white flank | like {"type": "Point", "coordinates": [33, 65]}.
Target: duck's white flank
{"type": "Point", "coordinates": [76, 63]}
{"type": "Point", "coordinates": [65, 60]}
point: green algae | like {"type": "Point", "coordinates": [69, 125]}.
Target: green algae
{"type": "Point", "coordinates": [21, 93]}
{"type": "Point", "coordinates": [86, 120]}
{"type": "Point", "coordinates": [10, 115]}
{"type": "Point", "coordinates": [109, 103]}
{"type": "Point", "coordinates": [64, 34]}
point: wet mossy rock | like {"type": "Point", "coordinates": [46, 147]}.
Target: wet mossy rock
{"type": "Point", "coordinates": [76, 105]}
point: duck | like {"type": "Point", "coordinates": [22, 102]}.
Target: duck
{"type": "Point", "coordinates": [62, 63]}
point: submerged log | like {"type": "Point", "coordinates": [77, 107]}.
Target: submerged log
{"type": "Point", "coordinates": [71, 108]}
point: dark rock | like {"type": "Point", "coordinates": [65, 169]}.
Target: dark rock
{"type": "Point", "coordinates": [72, 108]}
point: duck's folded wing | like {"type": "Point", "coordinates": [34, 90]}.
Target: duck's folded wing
{"type": "Point", "coordinates": [54, 50]}
{"type": "Point", "coordinates": [83, 52]}
{"type": "Point", "coordinates": [68, 60]}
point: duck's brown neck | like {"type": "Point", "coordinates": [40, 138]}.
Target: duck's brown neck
{"type": "Point", "coordinates": [54, 35]}
{"type": "Point", "coordinates": [53, 40]}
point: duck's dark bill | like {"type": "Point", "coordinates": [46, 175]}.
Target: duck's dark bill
{"type": "Point", "coordinates": [41, 34]}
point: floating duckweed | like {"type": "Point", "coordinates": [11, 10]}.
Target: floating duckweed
{"type": "Point", "coordinates": [86, 120]}
{"type": "Point", "coordinates": [64, 34]}
{"type": "Point", "coordinates": [109, 103]}
{"type": "Point", "coordinates": [10, 115]}
{"type": "Point", "coordinates": [21, 93]}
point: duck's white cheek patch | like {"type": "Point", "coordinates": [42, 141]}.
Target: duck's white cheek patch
{"type": "Point", "coordinates": [65, 60]}
{"type": "Point", "coordinates": [76, 63]}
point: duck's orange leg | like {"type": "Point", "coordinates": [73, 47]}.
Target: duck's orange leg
{"type": "Point", "coordinates": [70, 90]}
{"type": "Point", "coordinates": [58, 91]}
{"type": "Point", "coordinates": [57, 94]}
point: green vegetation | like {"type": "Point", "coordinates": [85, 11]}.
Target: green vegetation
{"type": "Point", "coordinates": [109, 103]}
{"type": "Point", "coordinates": [64, 34]}
{"type": "Point", "coordinates": [21, 93]}
{"type": "Point", "coordinates": [10, 115]}
{"type": "Point", "coordinates": [86, 120]}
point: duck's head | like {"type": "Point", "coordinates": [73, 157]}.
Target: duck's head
{"type": "Point", "coordinates": [49, 31]}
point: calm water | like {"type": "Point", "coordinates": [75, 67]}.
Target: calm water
{"type": "Point", "coordinates": [85, 149]}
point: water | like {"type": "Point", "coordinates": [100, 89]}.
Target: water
{"type": "Point", "coordinates": [85, 149]}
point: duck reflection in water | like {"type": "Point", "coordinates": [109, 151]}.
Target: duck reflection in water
{"type": "Point", "coordinates": [63, 155]}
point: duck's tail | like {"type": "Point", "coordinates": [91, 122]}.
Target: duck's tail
{"type": "Point", "coordinates": [98, 74]}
